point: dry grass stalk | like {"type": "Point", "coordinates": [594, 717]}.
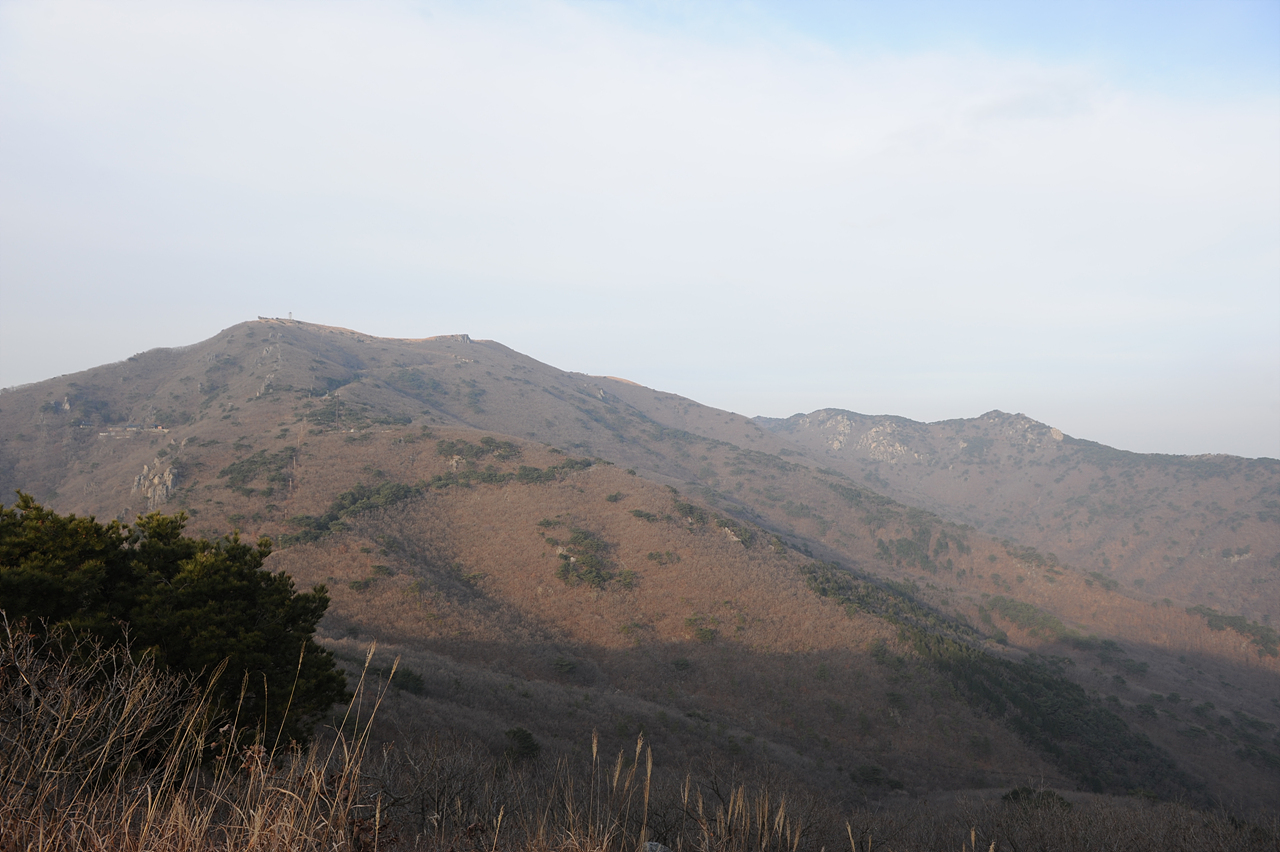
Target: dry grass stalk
{"type": "Point", "coordinates": [99, 751]}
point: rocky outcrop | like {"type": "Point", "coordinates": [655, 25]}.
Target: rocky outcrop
{"type": "Point", "coordinates": [892, 439]}
{"type": "Point", "coordinates": [155, 485]}
{"type": "Point", "coordinates": [878, 440]}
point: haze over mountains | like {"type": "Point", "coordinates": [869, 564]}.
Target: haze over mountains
{"type": "Point", "coordinates": [567, 552]}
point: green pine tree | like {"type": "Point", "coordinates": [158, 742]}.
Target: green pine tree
{"type": "Point", "coordinates": [190, 603]}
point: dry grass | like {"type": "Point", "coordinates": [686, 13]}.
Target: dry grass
{"type": "Point", "coordinates": [101, 752]}
{"type": "Point", "coordinates": [444, 793]}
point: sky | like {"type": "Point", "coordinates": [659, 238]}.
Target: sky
{"type": "Point", "coordinates": [929, 209]}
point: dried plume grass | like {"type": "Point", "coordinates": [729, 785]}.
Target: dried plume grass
{"type": "Point", "coordinates": [99, 751]}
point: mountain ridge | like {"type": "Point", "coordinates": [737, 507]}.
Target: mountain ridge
{"type": "Point", "coordinates": [281, 428]}
{"type": "Point", "coordinates": [931, 465]}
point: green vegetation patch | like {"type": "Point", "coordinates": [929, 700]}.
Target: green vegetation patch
{"type": "Point", "coordinates": [336, 413]}
{"type": "Point", "coordinates": [694, 514]}
{"type": "Point", "coordinates": [1035, 621]}
{"type": "Point", "coordinates": [879, 511]}
{"type": "Point", "coordinates": [1030, 555]}
{"type": "Point", "coordinates": [414, 383]}
{"type": "Point", "coordinates": [260, 464]}
{"type": "Point", "coordinates": [740, 531]}
{"type": "Point", "coordinates": [1103, 580]}
{"type": "Point", "coordinates": [748, 458]}
{"type": "Point", "coordinates": [524, 474]}
{"type": "Point", "coordinates": [911, 550]}
{"type": "Point", "coordinates": [921, 548]}
{"type": "Point", "coordinates": [860, 498]}
{"type": "Point", "coordinates": [1259, 634]}
{"type": "Point", "coordinates": [584, 560]}
{"type": "Point", "coordinates": [362, 498]}
{"type": "Point", "coordinates": [523, 745]}
{"type": "Point", "coordinates": [401, 677]}
{"type": "Point", "coordinates": [895, 602]}
{"type": "Point", "coordinates": [500, 450]}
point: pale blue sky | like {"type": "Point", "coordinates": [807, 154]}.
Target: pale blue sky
{"type": "Point", "coordinates": [1166, 42]}
{"type": "Point", "coordinates": [930, 209]}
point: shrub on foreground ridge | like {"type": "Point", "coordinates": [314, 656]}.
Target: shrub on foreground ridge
{"type": "Point", "coordinates": [189, 604]}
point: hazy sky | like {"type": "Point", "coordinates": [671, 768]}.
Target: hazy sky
{"type": "Point", "coordinates": [930, 209]}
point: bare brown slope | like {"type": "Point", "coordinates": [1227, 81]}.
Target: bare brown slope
{"type": "Point", "coordinates": [751, 598]}
{"type": "Point", "coordinates": [710, 645]}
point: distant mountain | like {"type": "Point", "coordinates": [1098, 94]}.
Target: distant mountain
{"type": "Point", "coordinates": [864, 603]}
{"type": "Point", "coordinates": [1204, 529]}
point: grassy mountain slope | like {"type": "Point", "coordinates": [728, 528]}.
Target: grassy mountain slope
{"type": "Point", "coordinates": [786, 615]}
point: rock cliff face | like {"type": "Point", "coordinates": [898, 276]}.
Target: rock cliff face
{"type": "Point", "coordinates": [893, 439]}
{"type": "Point", "coordinates": [874, 440]}
{"type": "Point", "coordinates": [155, 485]}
